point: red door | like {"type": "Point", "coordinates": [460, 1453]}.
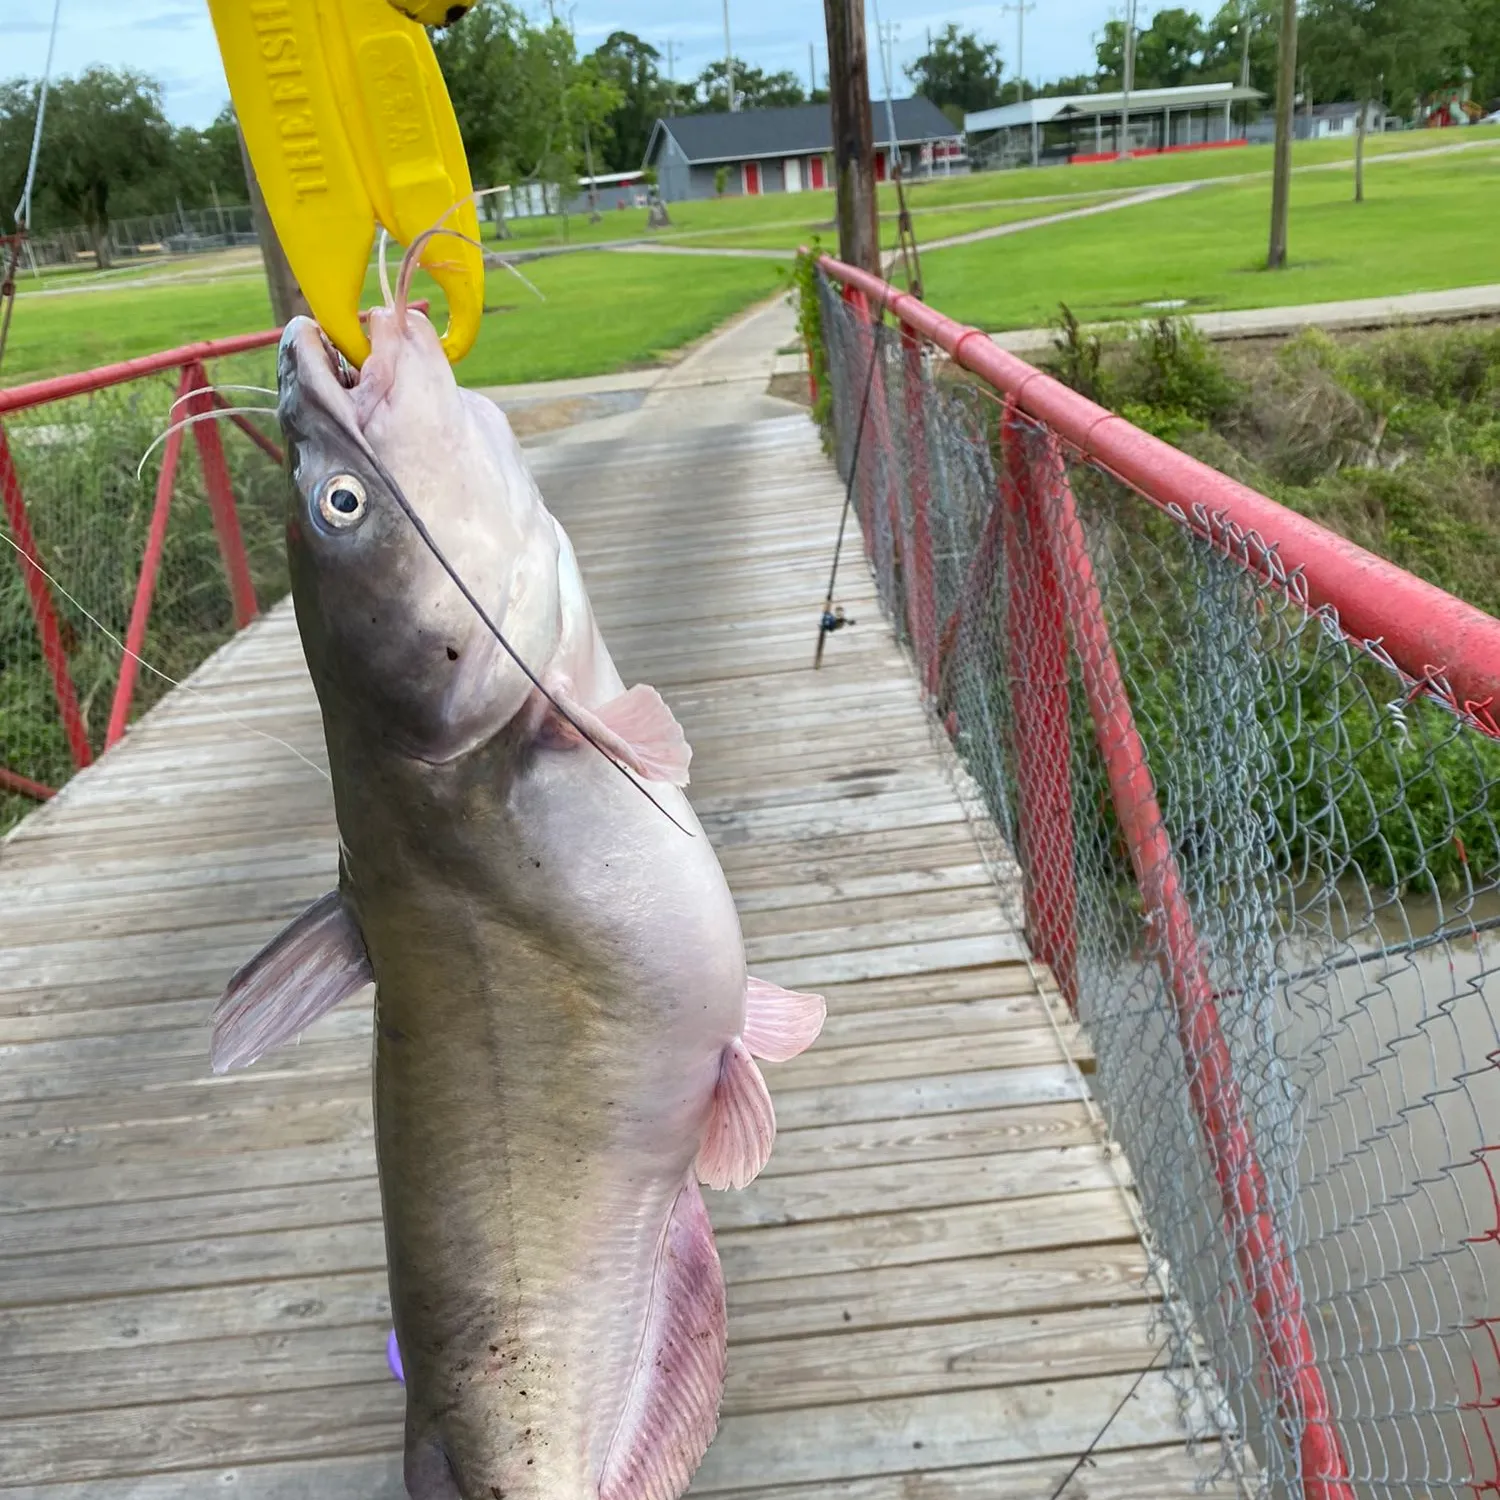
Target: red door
{"type": "Point", "coordinates": [752, 177]}
{"type": "Point", "coordinates": [816, 166]}
{"type": "Point", "coordinates": [880, 166]}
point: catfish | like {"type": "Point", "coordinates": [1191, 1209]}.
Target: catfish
{"type": "Point", "coordinates": [565, 1034]}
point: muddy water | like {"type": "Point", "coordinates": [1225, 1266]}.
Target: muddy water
{"type": "Point", "coordinates": [1377, 1109]}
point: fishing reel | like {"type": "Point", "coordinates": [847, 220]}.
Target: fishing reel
{"type": "Point", "coordinates": [831, 620]}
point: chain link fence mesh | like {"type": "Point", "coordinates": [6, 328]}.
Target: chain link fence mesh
{"type": "Point", "coordinates": [1278, 922]}
{"type": "Point", "coordinates": [73, 470]}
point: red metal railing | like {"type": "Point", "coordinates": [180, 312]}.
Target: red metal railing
{"type": "Point", "coordinates": [196, 396]}
{"type": "Point", "coordinates": [1441, 646]}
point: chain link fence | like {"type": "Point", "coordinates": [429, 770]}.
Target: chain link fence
{"type": "Point", "coordinates": [182, 232]}
{"type": "Point", "coordinates": [1262, 860]}
{"type": "Point", "coordinates": [170, 561]}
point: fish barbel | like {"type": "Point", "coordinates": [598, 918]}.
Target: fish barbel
{"type": "Point", "coordinates": [564, 1028]}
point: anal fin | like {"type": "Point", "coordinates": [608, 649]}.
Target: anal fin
{"type": "Point", "coordinates": [741, 1125]}
{"type": "Point", "coordinates": [301, 974]}
{"type": "Point", "coordinates": [673, 1406]}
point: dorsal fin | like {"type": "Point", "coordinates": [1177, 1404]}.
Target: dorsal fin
{"type": "Point", "coordinates": [673, 1407]}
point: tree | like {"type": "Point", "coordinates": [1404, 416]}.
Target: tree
{"type": "Point", "coordinates": [104, 133]}
{"type": "Point", "coordinates": [1241, 27]}
{"type": "Point", "coordinates": [632, 67]}
{"type": "Point", "coordinates": [959, 71]}
{"type": "Point", "coordinates": [496, 97]}
{"type": "Point", "coordinates": [753, 88]}
{"type": "Point", "coordinates": [1169, 50]}
{"type": "Point", "coordinates": [525, 102]}
{"type": "Point", "coordinates": [1281, 166]}
{"type": "Point", "coordinates": [1481, 50]}
{"type": "Point", "coordinates": [1395, 50]}
{"type": "Point", "coordinates": [1168, 53]}
{"type": "Point", "coordinates": [1370, 51]}
{"type": "Point", "coordinates": [17, 120]}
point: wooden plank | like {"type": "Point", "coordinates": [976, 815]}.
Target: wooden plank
{"type": "Point", "coordinates": [975, 1354]}
{"type": "Point", "coordinates": [1130, 1474]}
{"type": "Point", "coordinates": [932, 1234]}
{"type": "Point", "coordinates": [919, 1433]}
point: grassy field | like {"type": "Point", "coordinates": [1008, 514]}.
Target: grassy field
{"type": "Point", "coordinates": [1425, 225]}
{"type": "Point", "coordinates": [776, 220]}
{"type": "Point", "coordinates": [1428, 224]}
{"type": "Point", "coordinates": [603, 312]}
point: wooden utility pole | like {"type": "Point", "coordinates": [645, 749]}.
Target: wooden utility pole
{"type": "Point", "coordinates": [1281, 170]}
{"type": "Point", "coordinates": [287, 301]}
{"type": "Point", "coordinates": [853, 133]}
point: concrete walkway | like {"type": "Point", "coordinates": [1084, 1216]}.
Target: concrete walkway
{"type": "Point", "coordinates": [721, 381]}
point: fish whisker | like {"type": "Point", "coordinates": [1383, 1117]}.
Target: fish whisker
{"type": "Point", "coordinates": [420, 527]}
{"type": "Point", "coordinates": [385, 272]}
{"type": "Point", "coordinates": [516, 272]}
{"type": "Point", "coordinates": [215, 415]}
{"type": "Point", "coordinates": [209, 390]}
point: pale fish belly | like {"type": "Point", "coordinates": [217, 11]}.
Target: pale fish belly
{"type": "Point", "coordinates": [542, 1222]}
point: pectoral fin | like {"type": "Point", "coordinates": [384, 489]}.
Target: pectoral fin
{"type": "Point", "coordinates": [673, 1406]}
{"type": "Point", "coordinates": [637, 729]}
{"type": "Point", "coordinates": [780, 1023]}
{"type": "Point", "coordinates": [301, 974]}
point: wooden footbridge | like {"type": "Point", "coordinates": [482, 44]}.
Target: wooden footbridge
{"type": "Point", "coordinates": [937, 1290]}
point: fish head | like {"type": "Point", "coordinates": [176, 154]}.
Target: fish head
{"type": "Point", "coordinates": [378, 456]}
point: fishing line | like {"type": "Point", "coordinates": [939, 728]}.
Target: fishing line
{"type": "Point", "coordinates": [140, 660]}
{"type": "Point", "coordinates": [1125, 1400]}
{"type": "Point", "coordinates": [420, 527]}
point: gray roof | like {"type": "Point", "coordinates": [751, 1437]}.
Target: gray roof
{"type": "Point", "coordinates": [798, 130]}
{"type": "Point", "coordinates": [1142, 101]}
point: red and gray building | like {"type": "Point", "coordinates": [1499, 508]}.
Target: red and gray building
{"type": "Point", "coordinates": [790, 150]}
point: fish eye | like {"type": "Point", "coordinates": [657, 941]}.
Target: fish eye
{"type": "Point", "coordinates": [342, 502]}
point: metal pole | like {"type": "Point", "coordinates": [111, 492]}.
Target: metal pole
{"type": "Point", "coordinates": [1127, 78]}
{"type": "Point", "coordinates": [812, 71]}
{"type": "Point", "coordinates": [728, 60]}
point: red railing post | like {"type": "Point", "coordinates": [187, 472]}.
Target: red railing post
{"type": "Point", "coordinates": [1037, 649]}
{"type": "Point", "coordinates": [145, 588]}
{"type": "Point", "coordinates": [39, 594]}
{"type": "Point", "coordinates": [878, 438]}
{"type": "Point", "coordinates": [921, 603]}
{"type": "Point", "coordinates": [1264, 1260]}
{"type": "Point", "coordinates": [221, 497]}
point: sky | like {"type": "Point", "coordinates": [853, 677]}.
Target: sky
{"type": "Point", "coordinates": [174, 42]}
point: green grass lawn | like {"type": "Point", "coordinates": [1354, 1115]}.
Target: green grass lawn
{"type": "Point", "coordinates": [603, 312]}
{"type": "Point", "coordinates": [760, 221]}
{"type": "Point", "coordinates": [1428, 224]}
{"type": "Point", "coordinates": [1424, 226]}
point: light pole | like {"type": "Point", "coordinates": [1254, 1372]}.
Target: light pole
{"type": "Point", "coordinates": [728, 61]}
{"type": "Point", "coordinates": [1020, 8]}
{"type": "Point", "coordinates": [1127, 80]}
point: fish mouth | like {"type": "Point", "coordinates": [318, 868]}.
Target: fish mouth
{"type": "Point", "coordinates": [314, 378]}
